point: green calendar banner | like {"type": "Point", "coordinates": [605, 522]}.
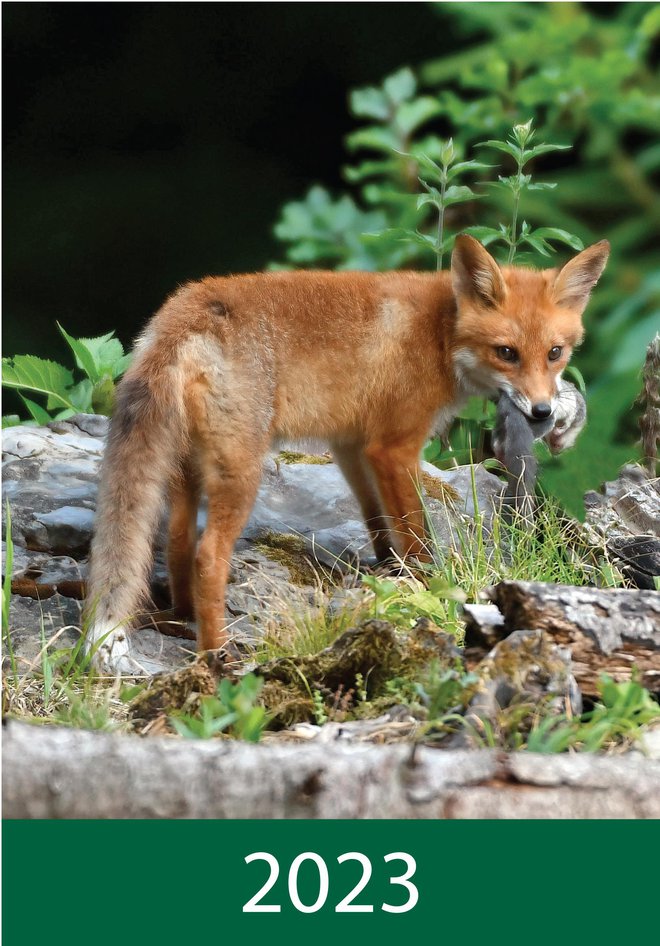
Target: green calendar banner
{"type": "Point", "coordinates": [323, 882]}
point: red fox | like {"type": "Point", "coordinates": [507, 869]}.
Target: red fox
{"type": "Point", "coordinates": [370, 362]}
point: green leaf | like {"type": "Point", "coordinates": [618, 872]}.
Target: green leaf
{"type": "Point", "coordinates": [410, 115]}
{"type": "Point", "coordinates": [506, 146]}
{"type": "Point", "coordinates": [447, 153]}
{"type": "Point", "coordinates": [575, 375]}
{"type": "Point", "coordinates": [407, 236]}
{"type": "Point", "coordinates": [358, 172]}
{"type": "Point", "coordinates": [428, 165]}
{"type": "Point", "coordinates": [11, 420]}
{"type": "Point", "coordinates": [563, 236]}
{"type": "Point", "coordinates": [37, 412]}
{"type": "Point", "coordinates": [98, 356]}
{"type": "Point", "coordinates": [540, 186]}
{"type": "Point", "coordinates": [103, 396]}
{"type": "Point", "coordinates": [369, 102]}
{"type": "Point", "coordinates": [29, 373]}
{"type": "Point", "coordinates": [485, 235]}
{"type": "Point", "coordinates": [542, 149]}
{"type": "Point", "coordinates": [80, 396]}
{"type": "Point", "coordinates": [523, 132]}
{"type": "Point", "coordinates": [374, 138]}
{"type": "Point", "coordinates": [433, 197]}
{"type": "Point", "coordinates": [84, 357]}
{"type": "Point", "coordinates": [400, 86]}
{"type": "Point", "coordinates": [458, 195]}
{"type": "Point", "coordinates": [464, 166]}
{"type": "Point", "coordinates": [536, 243]}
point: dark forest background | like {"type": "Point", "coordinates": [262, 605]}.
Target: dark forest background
{"type": "Point", "coordinates": [150, 143]}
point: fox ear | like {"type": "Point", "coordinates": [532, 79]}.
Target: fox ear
{"type": "Point", "coordinates": [475, 274]}
{"type": "Point", "coordinates": [577, 278]}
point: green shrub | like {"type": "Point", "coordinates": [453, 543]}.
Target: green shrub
{"type": "Point", "coordinates": [100, 360]}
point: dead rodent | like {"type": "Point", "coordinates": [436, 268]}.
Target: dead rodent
{"type": "Point", "coordinates": [514, 435]}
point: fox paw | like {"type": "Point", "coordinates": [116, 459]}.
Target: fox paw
{"type": "Point", "coordinates": [113, 654]}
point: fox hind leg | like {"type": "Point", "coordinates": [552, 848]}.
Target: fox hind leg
{"type": "Point", "coordinates": [231, 494]}
{"type": "Point", "coordinates": [182, 539]}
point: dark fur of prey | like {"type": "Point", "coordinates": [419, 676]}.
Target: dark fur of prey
{"type": "Point", "coordinates": [513, 443]}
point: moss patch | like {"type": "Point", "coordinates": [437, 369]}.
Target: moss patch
{"type": "Point", "coordinates": [290, 551]}
{"type": "Point", "coordinates": [362, 659]}
{"type": "Point", "coordinates": [291, 456]}
{"type": "Point", "coordinates": [436, 488]}
{"type": "Point", "coordinates": [179, 691]}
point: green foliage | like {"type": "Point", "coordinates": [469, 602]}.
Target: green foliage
{"type": "Point", "coordinates": [437, 690]}
{"type": "Point", "coordinates": [445, 194]}
{"type": "Point", "coordinates": [233, 709]}
{"type": "Point", "coordinates": [327, 232]}
{"type": "Point", "coordinates": [441, 690]}
{"type": "Point", "coordinates": [625, 709]}
{"type": "Point", "coordinates": [516, 147]}
{"type": "Point", "coordinates": [101, 360]}
{"type": "Point", "coordinates": [402, 601]}
{"type": "Point", "coordinates": [618, 720]}
{"type": "Point", "coordinates": [87, 710]}
{"type": "Point", "coordinates": [552, 551]}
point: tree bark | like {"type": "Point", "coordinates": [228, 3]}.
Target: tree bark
{"type": "Point", "coordinates": [52, 772]}
{"type": "Point", "coordinates": [608, 630]}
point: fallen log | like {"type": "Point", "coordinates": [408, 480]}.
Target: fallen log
{"type": "Point", "coordinates": [53, 772]}
{"type": "Point", "coordinates": [609, 630]}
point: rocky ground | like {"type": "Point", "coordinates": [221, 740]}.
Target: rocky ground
{"type": "Point", "coordinates": [527, 645]}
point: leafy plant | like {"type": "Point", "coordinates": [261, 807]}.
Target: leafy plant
{"type": "Point", "coordinates": [517, 148]}
{"type": "Point", "coordinates": [446, 194]}
{"type": "Point", "coordinates": [88, 710]}
{"type": "Point", "coordinates": [620, 717]}
{"type": "Point", "coordinates": [441, 689]}
{"type": "Point", "coordinates": [320, 230]}
{"type": "Point", "coordinates": [405, 599]}
{"type": "Point", "coordinates": [233, 709]}
{"type": "Point", "coordinates": [101, 360]}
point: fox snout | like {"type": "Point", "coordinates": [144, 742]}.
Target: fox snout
{"type": "Point", "coordinates": [541, 410]}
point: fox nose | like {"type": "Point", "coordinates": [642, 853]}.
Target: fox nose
{"type": "Point", "coordinates": [541, 411]}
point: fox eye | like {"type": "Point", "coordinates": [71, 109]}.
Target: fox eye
{"type": "Point", "coordinates": [555, 353]}
{"type": "Point", "coordinates": [506, 353]}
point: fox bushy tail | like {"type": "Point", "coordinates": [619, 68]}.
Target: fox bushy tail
{"type": "Point", "coordinates": [145, 443]}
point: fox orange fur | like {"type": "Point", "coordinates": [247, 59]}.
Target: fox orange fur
{"type": "Point", "coordinates": [370, 362]}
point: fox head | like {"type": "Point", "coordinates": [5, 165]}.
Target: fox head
{"type": "Point", "coordinates": [516, 328]}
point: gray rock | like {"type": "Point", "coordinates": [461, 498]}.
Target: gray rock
{"type": "Point", "coordinates": [627, 506]}
{"type": "Point", "coordinates": [54, 622]}
{"type": "Point", "coordinates": [65, 529]}
{"type": "Point", "coordinates": [41, 575]}
{"type": "Point", "coordinates": [50, 481]}
{"type": "Point", "coordinates": [96, 425]}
